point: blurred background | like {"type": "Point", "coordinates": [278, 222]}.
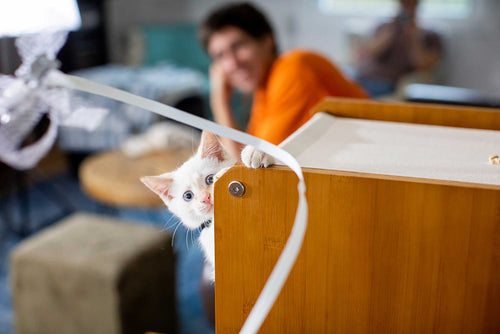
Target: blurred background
{"type": "Point", "coordinates": [469, 29]}
{"type": "Point", "coordinates": [150, 48]}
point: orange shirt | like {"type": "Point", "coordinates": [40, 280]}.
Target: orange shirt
{"type": "Point", "coordinates": [296, 82]}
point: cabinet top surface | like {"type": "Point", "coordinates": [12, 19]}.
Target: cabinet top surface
{"type": "Point", "coordinates": [401, 149]}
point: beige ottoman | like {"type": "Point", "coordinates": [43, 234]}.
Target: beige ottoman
{"type": "Point", "coordinates": [94, 274]}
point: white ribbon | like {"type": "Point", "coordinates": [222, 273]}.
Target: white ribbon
{"type": "Point", "coordinates": [25, 98]}
{"type": "Point", "coordinates": [291, 250]}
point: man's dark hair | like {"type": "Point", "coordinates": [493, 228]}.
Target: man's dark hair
{"type": "Point", "coordinates": [240, 15]}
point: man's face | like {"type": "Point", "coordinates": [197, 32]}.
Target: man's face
{"type": "Point", "coordinates": [243, 60]}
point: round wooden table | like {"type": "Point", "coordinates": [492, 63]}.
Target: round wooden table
{"type": "Point", "coordinates": [114, 178]}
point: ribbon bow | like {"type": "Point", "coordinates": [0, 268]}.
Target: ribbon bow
{"type": "Point", "coordinates": [28, 95]}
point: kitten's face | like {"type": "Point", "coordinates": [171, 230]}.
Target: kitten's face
{"type": "Point", "coordinates": [188, 191]}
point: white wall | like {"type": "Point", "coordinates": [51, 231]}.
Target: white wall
{"type": "Point", "coordinates": [472, 57]}
{"type": "Point", "coordinates": [473, 49]}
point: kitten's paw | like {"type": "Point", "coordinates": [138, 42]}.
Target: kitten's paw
{"type": "Point", "coordinates": [254, 158]}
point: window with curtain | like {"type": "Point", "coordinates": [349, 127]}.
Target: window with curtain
{"type": "Point", "coordinates": [427, 8]}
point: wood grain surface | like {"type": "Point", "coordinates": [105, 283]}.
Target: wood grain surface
{"type": "Point", "coordinates": [381, 255]}
{"type": "Point", "coordinates": [418, 113]}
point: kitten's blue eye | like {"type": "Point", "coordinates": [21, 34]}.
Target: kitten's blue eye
{"type": "Point", "coordinates": [188, 196]}
{"type": "Point", "coordinates": [209, 179]}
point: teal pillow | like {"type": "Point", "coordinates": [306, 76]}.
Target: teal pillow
{"type": "Point", "coordinates": [175, 43]}
{"type": "Point", "coordinates": [179, 44]}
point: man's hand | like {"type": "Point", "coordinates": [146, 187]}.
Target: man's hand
{"type": "Point", "coordinates": [220, 102]}
{"type": "Point", "coordinates": [220, 91]}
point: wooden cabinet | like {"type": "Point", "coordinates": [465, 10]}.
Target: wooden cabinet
{"type": "Point", "coordinates": [383, 253]}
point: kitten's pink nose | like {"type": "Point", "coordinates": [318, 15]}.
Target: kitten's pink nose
{"type": "Point", "coordinates": [206, 199]}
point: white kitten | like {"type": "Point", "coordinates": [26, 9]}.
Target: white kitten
{"type": "Point", "coordinates": [188, 191]}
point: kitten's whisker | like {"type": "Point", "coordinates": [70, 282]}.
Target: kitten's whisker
{"type": "Point", "coordinates": [173, 236]}
{"type": "Point", "coordinates": [169, 224]}
{"type": "Point", "coordinates": [187, 246]}
{"type": "Point", "coordinates": [166, 227]}
{"type": "Point", "coordinates": [169, 218]}
{"type": "Point", "coordinates": [168, 221]}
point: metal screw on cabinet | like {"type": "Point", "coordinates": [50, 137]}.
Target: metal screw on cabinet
{"type": "Point", "coordinates": [236, 188]}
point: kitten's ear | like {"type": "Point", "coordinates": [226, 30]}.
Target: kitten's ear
{"type": "Point", "coordinates": [159, 184]}
{"type": "Point", "coordinates": [210, 147]}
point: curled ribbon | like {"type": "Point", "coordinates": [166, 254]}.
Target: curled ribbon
{"type": "Point", "coordinates": [285, 262]}
{"type": "Point", "coordinates": [38, 88]}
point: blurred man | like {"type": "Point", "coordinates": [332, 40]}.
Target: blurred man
{"type": "Point", "coordinates": [244, 53]}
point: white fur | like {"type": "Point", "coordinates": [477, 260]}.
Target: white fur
{"type": "Point", "coordinates": [191, 176]}
{"type": "Point", "coordinates": [206, 241]}
{"type": "Point", "coordinates": [254, 158]}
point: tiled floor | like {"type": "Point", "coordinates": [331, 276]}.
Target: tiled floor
{"type": "Point", "coordinates": [50, 200]}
